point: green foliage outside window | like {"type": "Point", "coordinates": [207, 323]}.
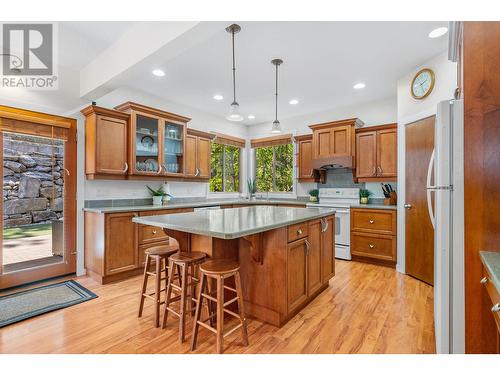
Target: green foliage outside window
{"type": "Point", "coordinates": [274, 168]}
{"type": "Point", "coordinates": [225, 168]}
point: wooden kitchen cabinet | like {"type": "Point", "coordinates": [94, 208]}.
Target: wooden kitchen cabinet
{"type": "Point", "coordinates": [121, 241]}
{"type": "Point", "coordinates": [105, 143]}
{"type": "Point", "coordinates": [376, 153]}
{"type": "Point", "coordinates": [198, 154]}
{"type": "Point", "coordinates": [296, 274]}
{"type": "Point", "coordinates": [373, 235]}
{"type": "Point", "coordinates": [304, 158]}
{"type": "Point", "coordinates": [314, 256]}
{"type": "Point", "coordinates": [156, 141]}
{"type": "Point", "coordinates": [335, 139]}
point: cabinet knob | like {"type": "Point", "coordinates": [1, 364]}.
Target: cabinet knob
{"type": "Point", "coordinates": [371, 246]}
{"type": "Point", "coordinates": [484, 280]}
{"type": "Point", "coordinates": [154, 231]}
{"type": "Point", "coordinates": [496, 308]}
{"type": "Point", "coordinates": [299, 231]}
{"type": "Point", "coordinates": [371, 221]}
{"type": "Point", "coordinates": [407, 206]}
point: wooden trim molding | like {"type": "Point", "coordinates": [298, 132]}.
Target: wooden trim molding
{"type": "Point", "coordinates": [304, 137]}
{"type": "Point", "coordinates": [228, 140]}
{"type": "Point", "coordinates": [356, 122]}
{"type": "Point", "coordinates": [378, 127]}
{"type": "Point", "coordinates": [131, 106]}
{"type": "Point", "coordinates": [24, 115]}
{"type": "Point", "coordinates": [271, 141]}
{"type": "Point", "coordinates": [93, 109]}
{"type": "Point", "coordinates": [199, 133]}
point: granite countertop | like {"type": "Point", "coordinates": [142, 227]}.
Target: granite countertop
{"type": "Point", "coordinates": [234, 222]}
{"type": "Point", "coordinates": [491, 261]}
{"type": "Point", "coordinates": [204, 203]}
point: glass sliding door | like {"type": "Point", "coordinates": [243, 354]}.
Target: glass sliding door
{"type": "Point", "coordinates": [38, 207]}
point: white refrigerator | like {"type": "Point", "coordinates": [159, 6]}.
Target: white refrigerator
{"type": "Point", "coordinates": [445, 202]}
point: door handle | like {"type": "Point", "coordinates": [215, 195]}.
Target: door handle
{"type": "Point", "coordinates": [496, 308]}
{"type": "Point", "coordinates": [407, 206]}
{"type": "Point", "coordinates": [371, 221]}
{"type": "Point", "coordinates": [484, 280]}
{"type": "Point", "coordinates": [159, 169]}
{"type": "Point", "coordinates": [308, 247]}
{"type": "Point", "coordinates": [374, 173]}
{"type": "Point", "coordinates": [379, 168]}
{"type": "Point", "coordinates": [371, 246]}
{"type": "Point", "coordinates": [126, 168]}
{"type": "Point", "coordinates": [312, 172]}
{"type": "Point", "coordinates": [429, 187]}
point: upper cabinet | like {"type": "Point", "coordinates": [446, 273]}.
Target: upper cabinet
{"type": "Point", "coordinates": [105, 143]}
{"type": "Point", "coordinates": [198, 154]}
{"type": "Point", "coordinates": [376, 153]}
{"type": "Point", "coordinates": [156, 141]}
{"type": "Point", "coordinates": [304, 158]}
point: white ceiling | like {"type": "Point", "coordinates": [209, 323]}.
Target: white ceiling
{"type": "Point", "coordinates": [322, 61]}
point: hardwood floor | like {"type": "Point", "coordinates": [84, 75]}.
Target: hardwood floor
{"type": "Point", "coordinates": [366, 309]}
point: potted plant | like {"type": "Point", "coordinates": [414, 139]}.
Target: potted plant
{"type": "Point", "coordinates": [313, 195]}
{"type": "Point", "coordinates": [252, 188]}
{"type": "Point", "coordinates": [364, 194]}
{"type": "Point", "coordinates": [157, 195]}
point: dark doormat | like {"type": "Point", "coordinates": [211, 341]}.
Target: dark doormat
{"type": "Point", "coordinates": [37, 301]}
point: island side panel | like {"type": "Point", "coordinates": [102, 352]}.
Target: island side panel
{"type": "Point", "coordinates": [264, 282]}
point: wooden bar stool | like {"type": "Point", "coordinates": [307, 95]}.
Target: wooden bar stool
{"type": "Point", "coordinates": [220, 269]}
{"type": "Point", "coordinates": [158, 254]}
{"type": "Point", "coordinates": [183, 267]}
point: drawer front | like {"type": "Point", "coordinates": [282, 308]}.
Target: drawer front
{"type": "Point", "coordinates": [493, 293]}
{"type": "Point", "coordinates": [148, 234]}
{"type": "Point", "coordinates": [297, 231]}
{"type": "Point", "coordinates": [374, 246]}
{"type": "Point", "coordinates": [374, 221]}
{"type": "Point", "coordinates": [165, 211]}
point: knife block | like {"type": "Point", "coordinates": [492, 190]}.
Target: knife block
{"type": "Point", "coordinates": [392, 200]}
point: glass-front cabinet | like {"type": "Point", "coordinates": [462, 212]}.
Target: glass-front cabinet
{"type": "Point", "coordinates": [157, 141]}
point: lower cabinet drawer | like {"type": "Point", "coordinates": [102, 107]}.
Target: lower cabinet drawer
{"type": "Point", "coordinates": [148, 234]}
{"type": "Point", "coordinates": [374, 221]}
{"type": "Point", "coordinates": [373, 246]}
{"type": "Point", "coordinates": [297, 231]}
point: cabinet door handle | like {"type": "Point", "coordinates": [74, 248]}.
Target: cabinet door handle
{"type": "Point", "coordinates": [126, 168]}
{"type": "Point", "coordinates": [374, 171]}
{"type": "Point", "coordinates": [197, 173]}
{"type": "Point", "coordinates": [371, 221]}
{"type": "Point", "coordinates": [312, 172]}
{"type": "Point", "coordinates": [484, 280]}
{"type": "Point", "coordinates": [324, 225]}
{"type": "Point", "coordinates": [299, 231]}
{"type": "Point", "coordinates": [496, 308]}
{"type": "Point", "coordinates": [380, 170]}
{"type": "Point", "coordinates": [371, 246]}
{"type": "Point", "coordinates": [308, 247]}
{"type": "Point", "coordinates": [160, 167]}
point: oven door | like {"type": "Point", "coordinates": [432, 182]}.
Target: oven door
{"type": "Point", "coordinates": [342, 227]}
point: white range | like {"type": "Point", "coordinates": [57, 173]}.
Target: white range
{"type": "Point", "coordinates": [340, 199]}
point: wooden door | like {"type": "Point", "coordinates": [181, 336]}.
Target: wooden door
{"type": "Point", "coordinates": [314, 255]}
{"type": "Point", "coordinates": [190, 157]}
{"type": "Point", "coordinates": [111, 145]}
{"type": "Point", "coordinates": [328, 249]}
{"type": "Point", "coordinates": [203, 157]}
{"type": "Point", "coordinates": [38, 231]}
{"type": "Point", "coordinates": [341, 140]}
{"type": "Point", "coordinates": [322, 140]}
{"type": "Point", "coordinates": [419, 232]}
{"type": "Point", "coordinates": [387, 153]}
{"type": "Point", "coordinates": [121, 243]}
{"type": "Point", "coordinates": [296, 274]}
{"type": "Point", "coordinates": [305, 161]}
{"type": "Point", "coordinates": [366, 154]}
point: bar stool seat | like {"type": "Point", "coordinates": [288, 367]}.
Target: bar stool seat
{"type": "Point", "coordinates": [219, 270]}
{"type": "Point", "coordinates": [158, 254]}
{"type": "Point", "coordinates": [185, 257]}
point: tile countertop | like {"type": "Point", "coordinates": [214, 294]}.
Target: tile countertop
{"type": "Point", "coordinates": [205, 203]}
{"type": "Point", "coordinates": [491, 261]}
{"type": "Point", "coordinates": [234, 222]}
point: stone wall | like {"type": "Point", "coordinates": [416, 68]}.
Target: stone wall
{"type": "Point", "coordinates": [32, 180]}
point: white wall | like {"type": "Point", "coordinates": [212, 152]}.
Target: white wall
{"type": "Point", "coordinates": [410, 110]}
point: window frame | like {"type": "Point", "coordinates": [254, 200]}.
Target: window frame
{"type": "Point", "coordinates": [274, 191]}
{"type": "Point", "coordinates": [224, 170]}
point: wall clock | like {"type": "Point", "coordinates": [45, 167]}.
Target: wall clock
{"type": "Point", "coordinates": [422, 84]}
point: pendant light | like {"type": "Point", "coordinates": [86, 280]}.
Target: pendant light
{"type": "Point", "coordinates": [234, 111]}
{"type": "Point", "coordinates": [276, 124]}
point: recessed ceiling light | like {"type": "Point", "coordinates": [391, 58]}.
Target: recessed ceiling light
{"type": "Point", "coordinates": [158, 72]}
{"type": "Point", "coordinates": [293, 101]}
{"type": "Point", "coordinates": [218, 97]}
{"type": "Point", "coordinates": [251, 117]}
{"type": "Point", "coordinates": [436, 33]}
{"type": "Point", "coordinates": [358, 86]}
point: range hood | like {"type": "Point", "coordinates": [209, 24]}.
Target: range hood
{"type": "Point", "coordinates": [334, 144]}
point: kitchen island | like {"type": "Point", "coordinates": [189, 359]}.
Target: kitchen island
{"type": "Point", "coordinates": [286, 254]}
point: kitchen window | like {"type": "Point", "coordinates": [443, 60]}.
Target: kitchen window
{"type": "Point", "coordinates": [274, 164]}
{"type": "Point", "coordinates": [225, 161]}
